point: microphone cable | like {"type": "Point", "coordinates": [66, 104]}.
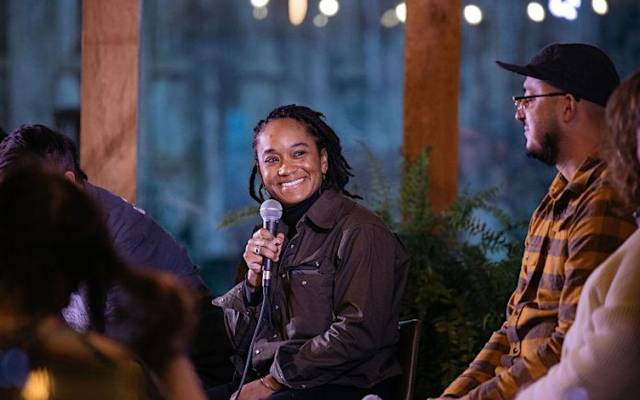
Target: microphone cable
{"type": "Point", "coordinates": [263, 307]}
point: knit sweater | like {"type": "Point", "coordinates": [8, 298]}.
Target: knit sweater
{"type": "Point", "coordinates": [601, 352]}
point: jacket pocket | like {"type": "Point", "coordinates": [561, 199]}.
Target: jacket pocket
{"type": "Point", "coordinates": [310, 299]}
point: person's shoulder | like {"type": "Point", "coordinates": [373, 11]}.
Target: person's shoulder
{"type": "Point", "coordinates": [357, 214]}
{"type": "Point", "coordinates": [600, 191]}
{"type": "Point", "coordinates": [108, 199]}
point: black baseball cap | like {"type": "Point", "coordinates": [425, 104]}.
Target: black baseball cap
{"type": "Point", "coordinates": [580, 69]}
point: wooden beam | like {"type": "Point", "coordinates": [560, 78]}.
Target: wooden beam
{"type": "Point", "coordinates": [432, 74]}
{"type": "Point", "coordinates": [109, 108]}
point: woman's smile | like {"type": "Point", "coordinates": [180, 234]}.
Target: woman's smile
{"type": "Point", "coordinates": [290, 164]}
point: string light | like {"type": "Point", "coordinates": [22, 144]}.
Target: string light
{"type": "Point", "coordinates": [601, 7]}
{"type": "Point", "coordinates": [401, 12]}
{"type": "Point", "coordinates": [329, 7]}
{"type": "Point", "coordinates": [320, 20]}
{"type": "Point", "coordinates": [260, 12]}
{"type": "Point", "coordinates": [389, 19]}
{"type": "Point", "coordinates": [535, 11]}
{"type": "Point", "coordinates": [472, 14]}
{"type": "Point", "coordinates": [297, 11]}
{"type": "Point", "coordinates": [567, 9]}
{"type": "Point", "coordinates": [259, 3]}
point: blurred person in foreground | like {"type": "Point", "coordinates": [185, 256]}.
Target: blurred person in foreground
{"type": "Point", "coordinates": [53, 240]}
{"type": "Point", "coordinates": [578, 224]}
{"type": "Point", "coordinates": [138, 239]}
{"type": "Point", "coordinates": [339, 274]}
{"type": "Point", "coordinates": [601, 353]}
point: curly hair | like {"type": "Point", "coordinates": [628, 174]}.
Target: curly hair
{"type": "Point", "coordinates": [623, 121]}
{"type": "Point", "coordinates": [339, 170]}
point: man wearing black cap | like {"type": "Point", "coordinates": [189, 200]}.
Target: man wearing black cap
{"type": "Point", "coordinates": [579, 222]}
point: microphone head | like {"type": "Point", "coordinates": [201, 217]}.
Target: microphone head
{"type": "Point", "coordinates": [271, 210]}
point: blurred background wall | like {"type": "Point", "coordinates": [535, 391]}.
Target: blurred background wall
{"type": "Point", "coordinates": [211, 69]}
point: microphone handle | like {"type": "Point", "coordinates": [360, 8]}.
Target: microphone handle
{"type": "Point", "coordinates": [267, 264]}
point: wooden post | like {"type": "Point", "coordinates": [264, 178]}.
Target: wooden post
{"type": "Point", "coordinates": [109, 109]}
{"type": "Point", "coordinates": [432, 73]}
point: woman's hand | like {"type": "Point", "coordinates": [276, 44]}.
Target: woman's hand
{"type": "Point", "coordinates": [258, 390]}
{"type": "Point", "coordinates": [262, 244]}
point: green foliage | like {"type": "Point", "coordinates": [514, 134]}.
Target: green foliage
{"type": "Point", "coordinates": [461, 275]}
{"type": "Point", "coordinates": [236, 216]}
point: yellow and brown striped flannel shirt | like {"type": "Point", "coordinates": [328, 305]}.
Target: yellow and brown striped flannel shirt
{"type": "Point", "coordinates": [575, 227]}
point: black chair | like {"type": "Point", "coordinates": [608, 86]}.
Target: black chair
{"type": "Point", "coordinates": [408, 347]}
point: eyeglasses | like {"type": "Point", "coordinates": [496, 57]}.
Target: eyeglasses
{"type": "Point", "coordinates": [521, 101]}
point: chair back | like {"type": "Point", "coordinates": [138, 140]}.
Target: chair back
{"type": "Point", "coordinates": [408, 347]}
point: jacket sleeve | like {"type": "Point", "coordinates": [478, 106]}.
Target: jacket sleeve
{"type": "Point", "coordinates": [364, 288]}
{"type": "Point", "coordinates": [240, 320]}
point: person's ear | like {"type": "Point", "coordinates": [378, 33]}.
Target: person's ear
{"type": "Point", "coordinates": [70, 176]}
{"type": "Point", "coordinates": [324, 161]}
{"type": "Point", "coordinates": [569, 108]}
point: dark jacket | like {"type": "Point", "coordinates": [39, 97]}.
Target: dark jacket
{"type": "Point", "coordinates": [141, 241]}
{"type": "Point", "coordinates": [334, 303]}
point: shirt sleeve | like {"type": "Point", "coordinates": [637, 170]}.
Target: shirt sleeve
{"type": "Point", "coordinates": [364, 288]}
{"type": "Point", "coordinates": [603, 361]}
{"type": "Point", "coordinates": [482, 367]}
{"type": "Point", "coordinates": [598, 231]}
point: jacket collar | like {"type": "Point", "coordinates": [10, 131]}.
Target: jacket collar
{"type": "Point", "coordinates": [326, 211]}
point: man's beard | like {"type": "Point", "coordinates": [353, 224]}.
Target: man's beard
{"type": "Point", "coordinates": [548, 151]}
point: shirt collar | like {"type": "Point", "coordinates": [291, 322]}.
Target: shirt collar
{"type": "Point", "coordinates": [590, 169]}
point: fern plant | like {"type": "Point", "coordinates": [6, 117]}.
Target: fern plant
{"type": "Point", "coordinates": [461, 274]}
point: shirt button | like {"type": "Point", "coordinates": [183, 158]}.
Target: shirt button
{"type": "Point", "coordinates": [283, 276]}
{"type": "Point", "coordinates": [275, 336]}
{"type": "Point", "coordinates": [258, 351]}
{"type": "Point", "coordinates": [277, 307]}
{"type": "Point", "coordinates": [317, 264]}
{"type": "Point", "coordinates": [304, 283]}
{"type": "Point", "coordinates": [303, 386]}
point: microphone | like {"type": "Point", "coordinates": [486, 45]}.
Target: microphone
{"type": "Point", "coordinates": [271, 212]}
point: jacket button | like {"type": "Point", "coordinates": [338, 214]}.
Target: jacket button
{"type": "Point", "coordinates": [317, 264]}
{"type": "Point", "coordinates": [258, 351]}
{"type": "Point", "coordinates": [277, 307]}
{"type": "Point", "coordinates": [304, 283]}
{"type": "Point", "coordinates": [292, 246]}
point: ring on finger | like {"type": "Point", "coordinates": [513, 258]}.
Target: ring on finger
{"type": "Point", "coordinates": [256, 250]}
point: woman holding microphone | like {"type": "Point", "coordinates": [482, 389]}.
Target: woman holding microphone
{"type": "Point", "coordinates": [331, 326]}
